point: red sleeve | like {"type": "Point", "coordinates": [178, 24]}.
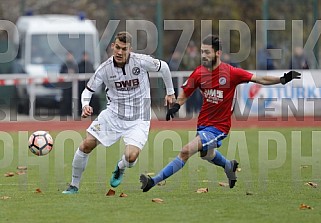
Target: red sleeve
{"type": "Point", "coordinates": [191, 83]}
{"type": "Point", "coordinates": [243, 76]}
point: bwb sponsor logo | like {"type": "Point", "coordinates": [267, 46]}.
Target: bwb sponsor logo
{"type": "Point", "coordinates": [126, 85]}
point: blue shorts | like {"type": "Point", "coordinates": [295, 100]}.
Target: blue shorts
{"type": "Point", "coordinates": [211, 137]}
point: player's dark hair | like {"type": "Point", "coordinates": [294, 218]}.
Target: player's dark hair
{"type": "Point", "coordinates": [214, 41]}
{"type": "Point", "coordinates": [124, 37]}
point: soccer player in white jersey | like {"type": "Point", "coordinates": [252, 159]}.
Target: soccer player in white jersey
{"type": "Point", "coordinates": [128, 110]}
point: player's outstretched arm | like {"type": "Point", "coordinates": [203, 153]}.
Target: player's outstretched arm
{"type": "Point", "coordinates": [270, 80]}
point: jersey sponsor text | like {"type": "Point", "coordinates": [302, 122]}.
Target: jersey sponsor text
{"type": "Point", "coordinates": [126, 85]}
{"type": "Point", "coordinates": [213, 95]}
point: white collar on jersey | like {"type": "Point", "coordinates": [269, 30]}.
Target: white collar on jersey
{"type": "Point", "coordinates": [115, 63]}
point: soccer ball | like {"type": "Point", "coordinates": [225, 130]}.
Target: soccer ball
{"type": "Point", "coordinates": [40, 143]}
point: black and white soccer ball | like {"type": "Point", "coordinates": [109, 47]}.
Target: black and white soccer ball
{"type": "Point", "coordinates": [40, 143]}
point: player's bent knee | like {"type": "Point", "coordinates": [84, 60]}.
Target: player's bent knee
{"type": "Point", "coordinates": [131, 154]}
{"type": "Point", "coordinates": [132, 157]}
{"type": "Point", "coordinates": [184, 154]}
{"type": "Point", "coordinates": [88, 145]}
{"type": "Point", "coordinates": [208, 155]}
{"type": "Point", "coordinates": [86, 149]}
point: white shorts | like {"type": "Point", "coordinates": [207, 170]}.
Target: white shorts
{"type": "Point", "coordinates": [107, 128]}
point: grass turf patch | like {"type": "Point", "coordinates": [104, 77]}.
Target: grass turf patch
{"type": "Point", "coordinates": [275, 165]}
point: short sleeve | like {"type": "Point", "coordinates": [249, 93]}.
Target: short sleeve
{"type": "Point", "coordinates": [242, 75]}
{"type": "Point", "coordinates": [191, 83]}
{"type": "Point", "coordinates": [96, 80]}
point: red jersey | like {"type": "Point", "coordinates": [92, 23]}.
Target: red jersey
{"type": "Point", "coordinates": [218, 88]}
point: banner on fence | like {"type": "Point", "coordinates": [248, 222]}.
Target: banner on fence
{"type": "Point", "coordinates": [297, 98]}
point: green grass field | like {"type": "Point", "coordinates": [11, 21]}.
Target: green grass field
{"type": "Point", "coordinates": [275, 165]}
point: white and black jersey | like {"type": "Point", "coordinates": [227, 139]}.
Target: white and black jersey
{"type": "Point", "coordinates": [128, 87]}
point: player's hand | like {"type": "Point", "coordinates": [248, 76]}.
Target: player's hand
{"type": "Point", "coordinates": [86, 111]}
{"type": "Point", "coordinates": [171, 112]}
{"type": "Point", "coordinates": [289, 76]}
{"type": "Point", "coordinates": [169, 99]}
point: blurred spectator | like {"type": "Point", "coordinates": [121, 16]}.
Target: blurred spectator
{"type": "Point", "coordinates": [226, 58]}
{"type": "Point", "coordinates": [298, 60]}
{"type": "Point", "coordinates": [68, 67]}
{"type": "Point", "coordinates": [85, 66]}
{"type": "Point", "coordinates": [175, 65]}
{"type": "Point", "coordinates": [264, 61]}
{"type": "Point", "coordinates": [191, 60]}
{"type": "Point", "coordinates": [175, 62]}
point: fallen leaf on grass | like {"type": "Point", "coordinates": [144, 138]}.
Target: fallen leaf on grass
{"type": "Point", "coordinates": [305, 166]}
{"type": "Point", "coordinates": [9, 174]}
{"type": "Point", "coordinates": [21, 172]}
{"type": "Point", "coordinates": [111, 192]}
{"type": "Point", "coordinates": [314, 185]}
{"type": "Point", "coordinates": [304, 206]}
{"type": "Point", "coordinates": [5, 198]}
{"type": "Point", "coordinates": [157, 200]}
{"type": "Point", "coordinates": [22, 168]}
{"type": "Point", "coordinates": [202, 190]}
{"type": "Point", "coordinates": [123, 195]}
{"type": "Point", "coordinates": [162, 183]}
{"type": "Point", "coordinates": [223, 184]}
{"type": "Point", "coordinates": [249, 193]}
{"type": "Point", "coordinates": [38, 190]}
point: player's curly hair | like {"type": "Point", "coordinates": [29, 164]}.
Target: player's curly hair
{"type": "Point", "coordinates": [124, 37]}
{"type": "Point", "coordinates": [214, 41]}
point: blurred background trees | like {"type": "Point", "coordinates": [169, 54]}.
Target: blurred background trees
{"type": "Point", "coordinates": [156, 11]}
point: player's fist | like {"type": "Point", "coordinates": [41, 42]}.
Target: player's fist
{"type": "Point", "coordinates": [171, 112]}
{"type": "Point", "coordinates": [86, 111]}
{"type": "Point", "coordinates": [289, 76]}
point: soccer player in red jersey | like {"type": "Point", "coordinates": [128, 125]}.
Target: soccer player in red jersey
{"type": "Point", "coordinates": [217, 82]}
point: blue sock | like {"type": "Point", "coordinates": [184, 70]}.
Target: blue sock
{"type": "Point", "coordinates": [171, 168]}
{"type": "Point", "coordinates": [220, 160]}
